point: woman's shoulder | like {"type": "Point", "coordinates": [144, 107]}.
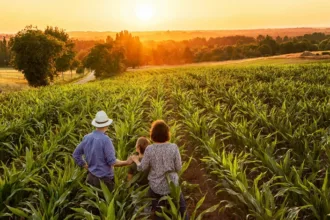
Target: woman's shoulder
{"type": "Point", "coordinates": [173, 145]}
{"type": "Point", "coordinates": [167, 145]}
{"type": "Point", "coordinates": [149, 148]}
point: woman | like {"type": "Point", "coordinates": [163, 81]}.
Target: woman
{"type": "Point", "coordinates": [162, 158]}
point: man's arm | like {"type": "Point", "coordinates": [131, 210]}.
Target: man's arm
{"type": "Point", "coordinates": [77, 154]}
{"type": "Point", "coordinates": [122, 163]}
{"type": "Point", "coordinates": [109, 153]}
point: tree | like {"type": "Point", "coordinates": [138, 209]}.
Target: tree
{"type": "Point", "coordinates": [265, 50]}
{"type": "Point", "coordinates": [286, 38]}
{"type": "Point", "coordinates": [279, 39]}
{"type": "Point", "coordinates": [109, 40]}
{"type": "Point", "coordinates": [74, 65]}
{"type": "Point", "coordinates": [80, 69]}
{"type": "Point", "coordinates": [64, 62]}
{"type": "Point", "coordinates": [35, 54]}
{"type": "Point", "coordinates": [269, 41]}
{"type": "Point", "coordinates": [4, 53]}
{"type": "Point", "coordinates": [325, 44]}
{"type": "Point", "coordinates": [260, 38]}
{"type": "Point", "coordinates": [287, 47]}
{"type": "Point", "coordinates": [188, 55]}
{"type": "Point", "coordinates": [105, 60]}
{"type": "Point", "coordinates": [132, 48]}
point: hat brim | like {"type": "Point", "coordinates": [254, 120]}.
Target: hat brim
{"type": "Point", "coordinates": [95, 124]}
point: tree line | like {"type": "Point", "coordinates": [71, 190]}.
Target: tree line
{"type": "Point", "coordinates": [230, 48]}
{"type": "Point", "coordinates": [214, 49]}
{"type": "Point", "coordinates": [41, 55]}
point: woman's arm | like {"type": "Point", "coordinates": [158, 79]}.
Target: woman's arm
{"type": "Point", "coordinates": [145, 163]}
{"type": "Point", "coordinates": [177, 160]}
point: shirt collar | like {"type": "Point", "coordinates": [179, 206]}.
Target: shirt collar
{"type": "Point", "coordinates": [98, 132]}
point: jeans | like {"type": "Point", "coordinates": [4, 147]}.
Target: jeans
{"type": "Point", "coordinates": [156, 205]}
{"type": "Point", "coordinates": [95, 181]}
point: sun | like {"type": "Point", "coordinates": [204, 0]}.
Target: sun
{"type": "Point", "coordinates": [144, 12]}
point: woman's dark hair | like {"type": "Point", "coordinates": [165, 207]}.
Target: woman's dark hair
{"type": "Point", "coordinates": [159, 132]}
{"type": "Point", "coordinates": [143, 143]}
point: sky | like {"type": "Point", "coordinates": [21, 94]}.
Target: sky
{"type": "Point", "coordinates": [146, 15]}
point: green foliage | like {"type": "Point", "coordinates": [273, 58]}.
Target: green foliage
{"type": "Point", "coordinates": [106, 59]}
{"type": "Point", "coordinates": [265, 50]}
{"type": "Point", "coordinates": [261, 132]}
{"type": "Point", "coordinates": [64, 62]}
{"type": "Point", "coordinates": [35, 53]}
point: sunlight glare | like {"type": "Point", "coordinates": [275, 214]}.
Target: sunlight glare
{"type": "Point", "coordinates": [144, 12]}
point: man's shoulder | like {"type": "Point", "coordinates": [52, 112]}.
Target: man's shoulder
{"type": "Point", "coordinates": [88, 135]}
{"type": "Point", "coordinates": [102, 137]}
{"type": "Point", "coordinates": [105, 139]}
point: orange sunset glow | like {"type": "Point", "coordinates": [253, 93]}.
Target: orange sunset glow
{"type": "Point", "coordinates": [138, 15]}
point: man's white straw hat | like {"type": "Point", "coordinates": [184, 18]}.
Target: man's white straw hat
{"type": "Point", "coordinates": [101, 120]}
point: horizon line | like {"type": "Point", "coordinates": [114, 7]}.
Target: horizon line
{"type": "Point", "coordinates": [191, 30]}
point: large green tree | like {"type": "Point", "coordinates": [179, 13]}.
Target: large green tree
{"type": "Point", "coordinates": [35, 54]}
{"type": "Point", "coordinates": [64, 62]}
{"type": "Point", "coordinates": [105, 59]}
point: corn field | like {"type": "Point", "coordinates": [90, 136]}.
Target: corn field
{"type": "Point", "coordinates": [260, 132]}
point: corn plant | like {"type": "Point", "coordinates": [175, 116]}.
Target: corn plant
{"type": "Point", "coordinates": [261, 133]}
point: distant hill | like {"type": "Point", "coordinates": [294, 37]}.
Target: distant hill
{"type": "Point", "coordinates": [185, 35]}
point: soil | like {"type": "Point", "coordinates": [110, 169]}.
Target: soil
{"type": "Point", "coordinates": [196, 174]}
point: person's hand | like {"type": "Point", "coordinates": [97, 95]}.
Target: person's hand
{"type": "Point", "coordinates": [86, 166]}
{"type": "Point", "coordinates": [129, 160]}
{"type": "Point", "coordinates": [135, 158]}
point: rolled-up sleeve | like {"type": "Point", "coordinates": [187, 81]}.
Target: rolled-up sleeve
{"type": "Point", "coordinates": [177, 160]}
{"type": "Point", "coordinates": [78, 153]}
{"type": "Point", "coordinates": [109, 152]}
{"type": "Point", "coordinates": [145, 163]}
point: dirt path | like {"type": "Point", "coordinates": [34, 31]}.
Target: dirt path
{"type": "Point", "coordinates": [88, 78]}
{"type": "Point", "coordinates": [196, 174]}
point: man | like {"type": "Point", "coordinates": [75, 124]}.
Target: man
{"type": "Point", "coordinates": [100, 157]}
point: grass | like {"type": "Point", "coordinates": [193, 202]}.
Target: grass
{"type": "Point", "coordinates": [13, 80]}
{"type": "Point", "coordinates": [282, 61]}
